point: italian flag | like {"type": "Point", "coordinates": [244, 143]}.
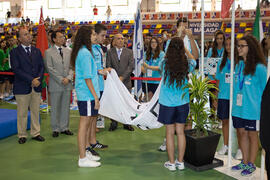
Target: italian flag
{"type": "Point", "coordinates": [258, 28]}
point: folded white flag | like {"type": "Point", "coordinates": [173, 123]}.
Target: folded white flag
{"type": "Point", "coordinates": [118, 104]}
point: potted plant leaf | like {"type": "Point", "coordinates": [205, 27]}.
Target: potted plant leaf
{"type": "Point", "coordinates": [201, 143]}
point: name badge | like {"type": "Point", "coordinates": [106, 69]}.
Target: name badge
{"type": "Point", "coordinates": [247, 82]}
{"type": "Point", "coordinates": [149, 72]}
{"type": "Point", "coordinates": [227, 78]}
{"type": "Point", "coordinates": [239, 100]}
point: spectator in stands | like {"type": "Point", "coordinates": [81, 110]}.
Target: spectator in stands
{"type": "Point", "coordinates": [27, 65]}
{"type": "Point", "coordinates": [87, 90]}
{"type": "Point", "coordinates": [121, 59]}
{"type": "Point", "coordinates": [250, 80]}
{"type": "Point", "coordinates": [5, 86]}
{"type": "Point", "coordinates": [57, 63]}
{"type": "Point", "coordinates": [161, 43]}
{"type": "Point", "coordinates": [8, 14]}
{"type": "Point", "coordinates": [146, 42]}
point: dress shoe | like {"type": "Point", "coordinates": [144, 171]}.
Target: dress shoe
{"type": "Point", "coordinates": [22, 140]}
{"type": "Point", "coordinates": [55, 134]}
{"type": "Point", "coordinates": [113, 126]}
{"type": "Point", "coordinates": [128, 127]}
{"type": "Point", "coordinates": [38, 138]}
{"type": "Point", "coordinates": [67, 132]}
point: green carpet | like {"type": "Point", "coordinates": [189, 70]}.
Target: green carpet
{"type": "Point", "coordinates": [131, 155]}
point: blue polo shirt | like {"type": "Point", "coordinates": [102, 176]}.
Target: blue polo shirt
{"type": "Point", "coordinates": [96, 50]}
{"type": "Point", "coordinates": [85, 68]}
{"type": "Point", "coordinates": [224, 80]}
{"type": "Point", "coordinates": [251, 88]}
{"type": "Point", "coordinates": [153, 62]}
{"type": "Point", "coordinates": [172, 96]}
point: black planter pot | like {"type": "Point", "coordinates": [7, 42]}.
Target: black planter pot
{"type": "Point", "coordinates": [200, 151]}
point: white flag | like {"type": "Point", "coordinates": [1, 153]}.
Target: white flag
{"type": "Point", "coordinates": [138, 49]}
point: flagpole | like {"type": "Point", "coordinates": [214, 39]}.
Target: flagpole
{"type": "Point", "coordinates": [231, 86]}
{"type": "Point", "coordinates": [202, 39]}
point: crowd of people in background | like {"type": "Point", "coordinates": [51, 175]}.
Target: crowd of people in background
{"type": "Point", "coordinates": [171, 56]}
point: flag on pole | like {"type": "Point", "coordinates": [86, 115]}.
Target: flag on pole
{"type": "Point", "coordinates": [225, 7]}
{"type": "Point", "coordinates": [42, 41]}
{"type": "Point", "coordinates": [258, 28]}
{"type": "Point", "coordinates": [42, 45]}
{"type": "Point", "coordinates": [138, 49]}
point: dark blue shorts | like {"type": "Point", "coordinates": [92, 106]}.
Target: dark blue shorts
{"type": "Point", "coordinates": [249, 125]}
{"type": "Point", "coordinates": [223, 109]}
{"type": "Point", "coordinates": [171, 115]}
{"type": "Point", "coordinates": [86, 108]}
{"type": "Point", "coordinates": [151, 87]}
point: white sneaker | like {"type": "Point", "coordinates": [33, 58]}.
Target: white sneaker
{"type": "Point", "coordinates": [85, 162]}
{"type": "Point", "coordinates": [179, 165]}
{"type": "Point", "coordinates": [223, 150]}
{"type": "Point", "coordinates": [91, 157]}
{"type": "Point", "coordinates": [163, 146]}
{"type": "Point", "coordinates": [238, 155]}
{"type": "Point", "coordinates": [170, 166]}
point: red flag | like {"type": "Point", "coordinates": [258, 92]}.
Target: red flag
{"type": "Point", "coordinates": [42, 41]}
{"type": "Point", "coordinates": [225, 7]}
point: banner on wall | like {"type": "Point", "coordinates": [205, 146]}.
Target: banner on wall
{"type": "Point", "coordinates": [209, 27]}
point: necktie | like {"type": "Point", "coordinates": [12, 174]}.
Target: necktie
{"type": "Point", "coordinates": [119, 53]}
{"type": "Point", "coordinates": [60, 51]}
{"type": "Point", "coordinates": [28, 51]}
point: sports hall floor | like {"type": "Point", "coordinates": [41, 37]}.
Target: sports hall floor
{"type": "Point", "coordinates": [130, 156]}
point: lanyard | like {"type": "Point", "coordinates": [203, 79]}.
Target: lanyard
{"type": "Point", "coordinates": [241, 82]}
{"type": "Point", "coordinates": [221, 53]}
{"type": "Point", "coordinates": [100, 55]}
{"type": "Point", "coordinates": [228, 64]}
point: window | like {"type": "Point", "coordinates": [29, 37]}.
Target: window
{"type": "Point", "coordinates": [32, 5]}
{"type": "Point", "coordinates": [119, 3]}
{"type": "Point", "coordinates": [99, 3]}
{"type": "Point", "coordinates": [169, 1]}
{"type": "Point", "coordinates": [74, 4]}
{"type": "Point", "coordinates": [55, 4]}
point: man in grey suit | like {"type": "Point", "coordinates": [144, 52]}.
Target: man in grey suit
{"type": "Point", "coordinates": [57, 63]}
{"type": "Point", "coordinates": [121, 59]}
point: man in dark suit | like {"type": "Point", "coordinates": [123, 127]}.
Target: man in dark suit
{"type": "Point", "coordinates": [57, 63]}
{"type": "Point", "coordinates": [265, 126]}
{"type": "Point", "coordinates": [27, 65]}
{"type": "Point", "coordinates": [121, 59]}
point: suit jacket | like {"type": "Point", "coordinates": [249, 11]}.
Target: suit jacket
{"type": "Point", "coordinates": [124, 67]}
{"type": "Point", "coordinates": [58, 68]}
{"type": "Point", "coordinates": [265, 118]}
{"type": "Point", "coordinates": [26, 68]}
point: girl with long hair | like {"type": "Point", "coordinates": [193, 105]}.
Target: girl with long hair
{"type": "Point", "coordinates": [250, 80]}
{"type": "Point", "coordinates": [87, 90]}
{"type": "Point", "coordinates": [216, 51]}
{"type": "Point", "coordinates": [174, 107]}
{"type": "Point", "coordinates": [223, 83]}
{"type": "Point", "coordinates": [152, 57]}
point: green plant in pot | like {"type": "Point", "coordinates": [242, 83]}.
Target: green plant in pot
{"type": "Point", "coordinates": [201, 143]}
